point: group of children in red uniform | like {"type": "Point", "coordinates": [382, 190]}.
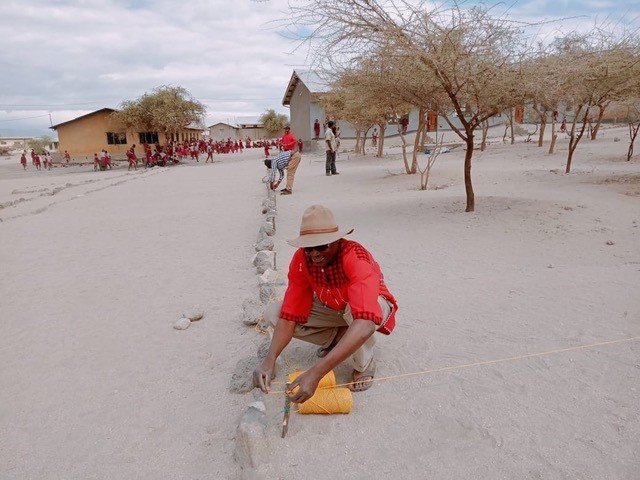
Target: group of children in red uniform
{"type": "Point", "coordinates": [36, 160]}
{"type": "Point", "coordinates": [103, 162]}
{"type": "Point", "coordinates": [162, 155]}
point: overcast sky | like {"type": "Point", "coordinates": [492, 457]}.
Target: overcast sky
{"type": "Point", "coordinates": [68, 57]}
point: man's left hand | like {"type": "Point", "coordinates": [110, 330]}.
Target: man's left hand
{"type": "Point", "coordinates": [307, 384]}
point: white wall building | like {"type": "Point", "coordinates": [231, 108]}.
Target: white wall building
{"type": "Point", "coordinates": [302, 97]}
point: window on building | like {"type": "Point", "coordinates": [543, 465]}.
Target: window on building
{"type": "Point", "coordinates": [116, 138]}
{"type": "Point", "coordinates": [148, 137]}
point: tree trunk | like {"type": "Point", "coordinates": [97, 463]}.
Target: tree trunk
{"type": "Point", "coordinates": [633, 132]}
{"type": "Point", "coordinates": [357, 147]}
{"type": "Point", "coordinates": [381, 140]}
{"type": "Point", "coordinates": [467, 173]}
{"type": "Point", "coordinates": [573, 139]}
{"type": "Point", "coordinates": [423, 138]}
{"type": "Point", "coordinates": [485, 132]}
{"type": "Point", "coordinates": [554, 135]}
{"type": "Point", "coordinates": [424, 179]}
{"type": "Point", "coordinates": [594, 132]}
{"type": "Point", "coordinates": [543, 124]}
{"type": "Point", "coordinates": [513, 135]}
{"type": "Point", "coordinates": [407, 168]}
{"type": "Point", "coordinates": [416, 141]}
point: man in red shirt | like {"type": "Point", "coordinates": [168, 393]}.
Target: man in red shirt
{"type": "Point", "coordinates": [336, 298]}
{"type": "Point", "coordinates": [288, 140]}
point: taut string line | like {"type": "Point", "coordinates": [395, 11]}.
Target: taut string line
{"type": "Point", "coordinates": [487, 362]}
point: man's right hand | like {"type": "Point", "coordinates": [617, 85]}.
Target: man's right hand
{"type": "Point", "coordinates": [262, 377]}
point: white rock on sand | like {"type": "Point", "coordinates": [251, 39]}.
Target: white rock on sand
{"type": "Point", "coordinates": [269, 276]}
{"type": "Point", "coordinates": [182, 323]}
{"type": "Point", "coordinates": [83, 397]}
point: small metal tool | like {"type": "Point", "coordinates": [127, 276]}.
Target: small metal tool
{"type": "Point", "coordinates": [287, 411]}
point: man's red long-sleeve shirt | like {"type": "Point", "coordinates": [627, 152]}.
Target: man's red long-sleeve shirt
{"type": "Point", "coordinates": [288, 141]}
{"type": "Point", "coordinates": [354, 278]}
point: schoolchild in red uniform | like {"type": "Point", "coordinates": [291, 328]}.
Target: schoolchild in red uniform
{"type": "Point", "coordinates": [133, 160]}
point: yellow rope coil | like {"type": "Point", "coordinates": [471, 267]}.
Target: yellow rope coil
{"type": "Point", "coordinates": [328, 399]}
{"type": "Point", "coordinates": [329, 380]}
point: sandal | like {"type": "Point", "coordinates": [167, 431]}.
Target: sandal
{"type": "Point", "coordinates": [365, 380]}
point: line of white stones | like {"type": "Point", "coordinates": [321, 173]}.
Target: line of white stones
{"type": "Point", "coordinates": [250, 451]}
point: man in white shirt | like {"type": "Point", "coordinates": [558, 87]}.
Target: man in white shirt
{"type": "Point", "coordinates": [330, 144]}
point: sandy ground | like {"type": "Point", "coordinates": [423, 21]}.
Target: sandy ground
{"type": "Point", "coordinates": [96, 383]}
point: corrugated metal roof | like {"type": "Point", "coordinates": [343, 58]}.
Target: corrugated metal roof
{"type": "Point", "coordinates": [314, 82]}
{"type": "Point", "coordinates": [247, 121]}
{"type": "Point", "coordinates": [54, 127]}
{"type": "Point", "coordinates": [223, 123]}
{"type": "Point", "coordinates": [310, 78]}
{"type": "Point", "coordinates": [191, 126]}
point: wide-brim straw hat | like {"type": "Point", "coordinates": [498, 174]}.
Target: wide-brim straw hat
{"type": "Point", "coordinates": [318, 227]}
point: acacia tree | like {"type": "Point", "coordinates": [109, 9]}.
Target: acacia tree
{"type": "Point", "coordinates": [273, 122]}
{"type": "Point", "coordinates": [343, 103]}
{"type": "Point", "coordinates": [633, 121]}
{"type": "Point", "coordinates": [436, 149]}
{"type": "Point", "coordinates": [618, 60]}
{"type": "Point", "coordinates": [543, 85]}
{"type": "Point", "coordinates": [39, 144]}
{"type": "Point", "coordinates": [471, 55]}
{"type": "Point", "coordinates": [372, 84]}
{"type": "Point", "coordinates": [403, 84]}
{"type": "Point", "coordinates": [628, 111]}
{"type": "Point", "coordinates": [363, 110]}
{"type": "Point", "coordinates": [166, 109]}
{"type": "Point", "coordinates": [606, 67]}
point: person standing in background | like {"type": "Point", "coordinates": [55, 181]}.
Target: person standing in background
{"type": "Point", "coordinates": [316, 129]}
{"type": "Point", "coordinates": [288, 140]}
{"type": "Point", "coordinates": [330, 148]}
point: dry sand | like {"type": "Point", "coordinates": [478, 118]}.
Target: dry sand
{"type": "Point", "coordinates": [96, 383]}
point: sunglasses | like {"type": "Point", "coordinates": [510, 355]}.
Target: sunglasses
{"type": "Point", "coordinates": [318, 248]}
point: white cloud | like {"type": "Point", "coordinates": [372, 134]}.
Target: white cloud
{"type": "Point", "coordinates": [59, 54]}
{"type": "Point", "coordinates": [68, 57]}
